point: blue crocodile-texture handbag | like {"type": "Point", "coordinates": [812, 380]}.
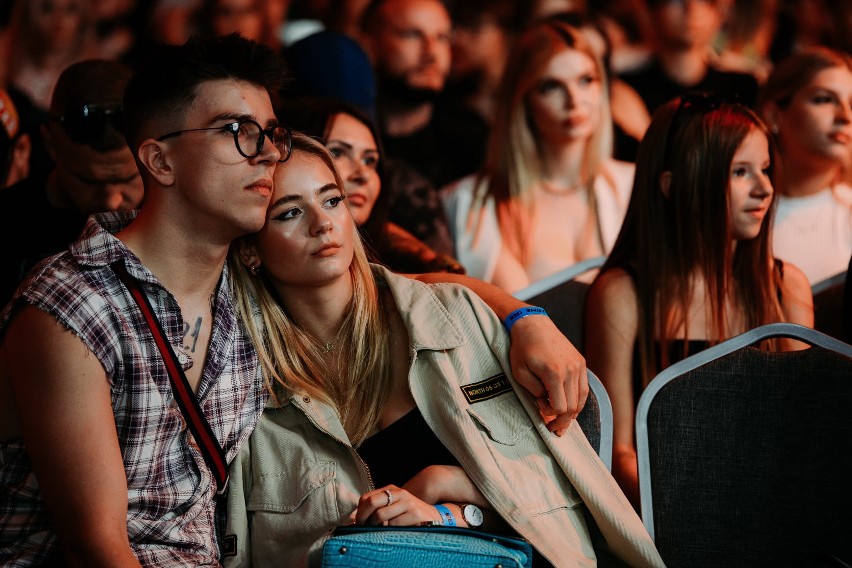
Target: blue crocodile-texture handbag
{"type": "Point", "coordinates": [423, 547]}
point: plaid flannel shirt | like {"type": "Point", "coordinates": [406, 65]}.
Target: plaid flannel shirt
{"type": "Point", "coordinates": [172, 517]}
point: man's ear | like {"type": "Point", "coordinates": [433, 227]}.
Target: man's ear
{"type": "Point", "coordinates": [665, 183]}
{"type": "Point", "coordinates": [153, 157]}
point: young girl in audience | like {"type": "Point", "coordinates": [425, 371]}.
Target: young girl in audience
{"type": "Point", "coordinates": [353, 140]}
{"type": "Point", "coordinates": [376, 412]}
{"type": "Point", "coordinates": [807, 103]}
{"type": "Point", "coordinates": [692, 265]}
{"type": "Point", "coordinates": [550, 194]}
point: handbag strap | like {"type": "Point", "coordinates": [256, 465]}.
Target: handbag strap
{"type": "Point", "coordinates": [214, 455]}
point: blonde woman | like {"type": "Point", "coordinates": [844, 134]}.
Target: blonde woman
{"type": "Point", "coordinates": [550, 194]}
{"type": "Point", "coordinates": [377, 413]}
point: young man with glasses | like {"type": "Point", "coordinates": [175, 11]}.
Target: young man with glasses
{"type": "Point", "coordinates": [98, 465]}
{"type": "Point", "coordinates": [118, 424]}
{"type": "Point", "coordinates": [92, 171]}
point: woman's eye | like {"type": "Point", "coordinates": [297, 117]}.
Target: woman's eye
{"type": "Point", "coordinates": [587, 80]}
{"type": "Point", "coordinates": [739, 172]}
{"type": "Point", "coordinates": [334, 201]}
{"type": "Point", "coordinates": [335, 151]}
{"type": "Point", "coordinates": [371, 161]}
{"type": "Point", "coordinates": [766, 171]}
{"type": "Point", "coordinates": [822, 99]}
{"type": "Point", "coordinates": [548, 86]}
{"type": "Point", "coordinates": [289, 214]}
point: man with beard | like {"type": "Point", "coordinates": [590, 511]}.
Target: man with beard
{"type": "Point", "coordinates": [684, 31]}
{"type": "Point", "coordinates": [409, 45]}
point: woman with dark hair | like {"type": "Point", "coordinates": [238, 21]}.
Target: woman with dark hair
{"type": "Point", "coordinates": [692, 265]}
{"type": "Point", "coordinates": [807, 103]}
{"type": "Point", "coordinates": [353, 140]}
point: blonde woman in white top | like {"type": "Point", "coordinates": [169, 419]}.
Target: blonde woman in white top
{"type": "Point", "coordinates": [550, 194]}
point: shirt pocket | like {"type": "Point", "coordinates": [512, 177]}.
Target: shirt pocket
{"type": "Point", "coordinates": [298, 504]}
{"type": "Point", "coordinates": [521, 454]}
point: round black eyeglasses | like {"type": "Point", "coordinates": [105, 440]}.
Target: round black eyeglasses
{"type": "Point", "coordinates": [249, 137]}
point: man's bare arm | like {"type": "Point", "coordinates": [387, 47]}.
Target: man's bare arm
{"type": "Point", "coordinates": [542, 358]}
{"type": "Point", "coordinates": [62, 401]}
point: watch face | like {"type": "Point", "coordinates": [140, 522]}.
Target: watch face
{"type": "Point", "coordinates": [472, 515]}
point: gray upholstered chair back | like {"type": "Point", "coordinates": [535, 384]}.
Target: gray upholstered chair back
{"type": "Point", "coordinates": [564, 298]}
{"type": "Point", "coordinates": [745, 456]}
{"type": "Point", "coordinates": [596, 420]}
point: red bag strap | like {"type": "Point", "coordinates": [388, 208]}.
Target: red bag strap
{"type": "Point", "coordinates": [214, 455]}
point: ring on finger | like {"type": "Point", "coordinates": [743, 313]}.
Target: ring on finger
{"type": "Point", "coordinates": [390, 497]}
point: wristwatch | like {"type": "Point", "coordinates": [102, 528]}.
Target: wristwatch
{"type": "Point", "coordinates": [472, 515]}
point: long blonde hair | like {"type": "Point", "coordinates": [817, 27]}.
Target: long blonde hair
{"type": "Point", "coordinates": [514, 160]}
{"type": "Point", "coordinates": [294, 361]}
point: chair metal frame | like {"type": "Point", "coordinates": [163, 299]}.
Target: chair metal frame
{"type": "Point", "coordinates": [605, 425]}
{"type": "Point", "coordinates": [769, 331]}
{"type": "Point", "coordinates": [557, 278]}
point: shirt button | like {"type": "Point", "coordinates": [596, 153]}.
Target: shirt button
{"type": "Point", "coordinates": [306, 399]}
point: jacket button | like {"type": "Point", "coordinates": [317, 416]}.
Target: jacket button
{"type": "Point", "coordinates": [306, 399]}
{"type": "Point", "coordinates": [343, 550]}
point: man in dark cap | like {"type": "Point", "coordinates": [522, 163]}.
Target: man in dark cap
{"type": "Point", "coordinates": [93, 171]}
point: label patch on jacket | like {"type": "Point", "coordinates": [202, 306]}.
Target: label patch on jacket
{"type": "Point", "coordinates": [489, 388]}
{"type": "Point", "coordinates": [229, 545]}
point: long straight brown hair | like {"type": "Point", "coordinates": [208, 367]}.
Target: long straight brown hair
{"type": "Point", "coordinates": [669, 238]}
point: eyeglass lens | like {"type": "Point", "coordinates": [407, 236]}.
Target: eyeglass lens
{"type": "Point", "coordinates": [250, 138]}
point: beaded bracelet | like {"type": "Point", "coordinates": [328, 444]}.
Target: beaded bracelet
{"type": "Point", "coordinates": [522, 313]}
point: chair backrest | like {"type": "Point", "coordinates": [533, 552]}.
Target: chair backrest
{"type": "Point", "coordinates": [596, 420]}
{"type": "Point", "coordinates": [828, 305]}
{"type": "Point", "coordinates": [564, 298]}
{"type": "Point", "coordinates": [745, 455]}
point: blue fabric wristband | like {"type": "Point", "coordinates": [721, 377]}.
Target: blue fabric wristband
{"type": "Point", "coordinates": [446, 516]}
{"type": "Point", "coordinates": [522, 313]}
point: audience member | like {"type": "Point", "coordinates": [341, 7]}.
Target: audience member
{"type": "Point", "coordinates": [550, 194]}
{"type": "Point", "coordinates": [258, 20]}
{"type": "Point", "coordinates": [47, 36]}
{"type": "Point", "coordinates": [408, 42]}
{"type": "Point", "coordinates": [807, 102]}
{"type": "Point", "coordinates": [683, 34]}
{"type": "Point", "coordinates": [692, 265]}
{"type": "Point", "coordinates": [115, 479]}
{"type": "Point", "coordinates": [358, 357]}
{"type": "Point", "coordinates": [328, 65]}
{"type": "Point", "coordinates": [15, 144]}
{"type": "Point", "coordinates": [93, 171]}
{"type": "Point", "coordinates": [353, 141]}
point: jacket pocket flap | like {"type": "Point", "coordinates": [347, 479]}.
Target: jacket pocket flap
{"type": "Point", "coordinates": [503, 418]}
{"type": "Point", "coordinates": [285, 491]}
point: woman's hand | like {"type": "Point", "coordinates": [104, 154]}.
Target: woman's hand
{"type": "Point", "coordinates": [394, 506]}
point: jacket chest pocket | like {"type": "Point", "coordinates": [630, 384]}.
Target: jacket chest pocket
{"type": "Point", "coordinates": [538, 483]}
{"type": "Point", "coordinates": [298, 502]}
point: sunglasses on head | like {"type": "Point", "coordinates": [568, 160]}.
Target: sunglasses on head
{"type": "Point", "coordinates": [88, 123]}
{"type": "Point", "coordinates": [692, 103]}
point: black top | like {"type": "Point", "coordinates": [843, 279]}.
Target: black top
{"type": "Point", "coordinates": [402, 449]}
{"type": "Point", "coordinates": [450, 147]}
{"type": "Point", "coordinates": [31, 229]}
{"type": "Point", "coordinates": [656, 88]}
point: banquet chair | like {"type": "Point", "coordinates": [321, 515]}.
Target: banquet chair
{"type": "Point", "coordinates": [745, 455]}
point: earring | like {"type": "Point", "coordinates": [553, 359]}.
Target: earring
{"type": "Point", "coordinates": [254, 269]}
{"type": "Point", "coordinates": [774, 129]}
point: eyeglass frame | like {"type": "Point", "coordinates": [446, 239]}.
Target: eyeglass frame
{"type": "Point", "coordinates": [234, 128]}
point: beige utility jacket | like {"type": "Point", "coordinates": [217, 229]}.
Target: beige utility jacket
{"type": "Point", "coordinates": [299, 477]}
